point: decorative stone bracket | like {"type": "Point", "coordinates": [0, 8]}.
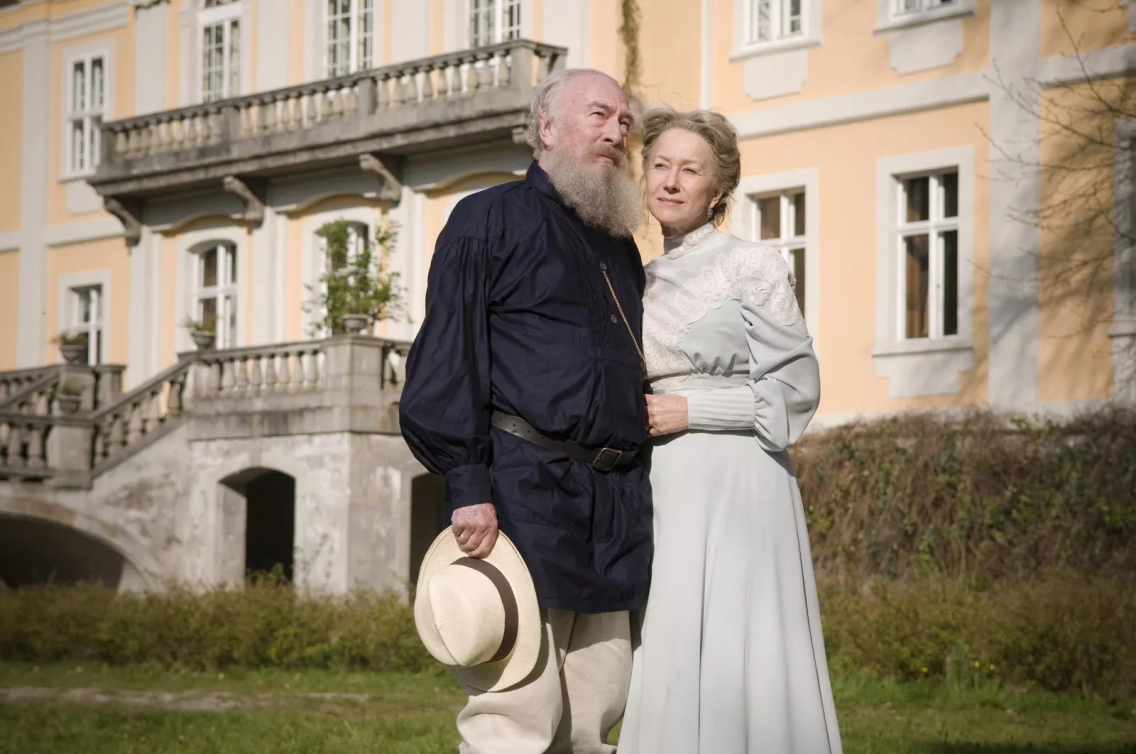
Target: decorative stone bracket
{"type": "Point", "coordinates": [390, 189]}
{"type": "Point", "coordinates": [254, 205]}
{"type": "Point", "coordinates": [129, 212]}
{"type": "Point", "coordinates": [141, 4]}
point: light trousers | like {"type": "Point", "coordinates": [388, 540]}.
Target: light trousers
{"type": "Point", "coordinates": [569, 703]}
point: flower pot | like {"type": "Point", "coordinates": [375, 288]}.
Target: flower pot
{"type": "Point", "coordinates": [68, 404]}
{"type": "Point", "coordinates": [73, 353]}
{"type": "Point", "coordinates": [354, 324]}
{"type": "Point", "coordinates": [202, 339]}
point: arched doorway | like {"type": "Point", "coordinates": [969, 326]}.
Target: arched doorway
{"type": "Point", "coordinates": [427, 517]}
{"type": "Point", "coordinates": [262, 513]}
{"type": "Point", "coordinates": [35, 551]}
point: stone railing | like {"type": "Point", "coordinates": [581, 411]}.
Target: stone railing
{"type": "Point", "coordinates": [263, 370]}
{"type": "Point", "coordinates": [138, 417]}
{"type": "Point", "coordinates": [18, 380]}
{"type": "Point", "coordinates": [338, 118]}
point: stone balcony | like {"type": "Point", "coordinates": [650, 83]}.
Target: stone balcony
{"type": "Point", "coordinates": [373, 119]}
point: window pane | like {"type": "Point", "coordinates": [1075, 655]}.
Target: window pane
{"type": "Point", "coordinates": [207, 312]}
{"type": "Point", "coordinates": [95, 351]}
{"type": "Point", "coordinates": [78, 148]}
{"type": "Point", "coordinates": [769, 210]}
{"type": "Point", "coordinates": [234, 59]}
{"type": "Point", "coordinates": [366, 35]}
{"type": "Point", "coordinates": [917, 263]}
{"type": "Point", "coordinates": [230, 321]}
{"type": "Point", "coordinates": [916, 191]}
{"type": "Point", "coordinates": [798, 214]}
{"type": "Point", "coordinates": [97, 84]}
{"type": "Point", "coordinates": [93, 152]}
{"type": "Point", "coordinates": [764, 20]}
{"type": "Point", "coordinates": [950, 282]}
{"type": "Point", "coordinates": [512, 23]}
{"type": "Point", "coordinates": [793, 17]}
{"type": "Point", "coordinates": [209, 268]}
{"type": "Point", "coordinates": [950, 188]}
{"type": "Point", "coordinates": [231, 259]}
{"type": "Point", "coordinates": [85, 312]}
{"type": "Point", "coordinates": [797, 262]}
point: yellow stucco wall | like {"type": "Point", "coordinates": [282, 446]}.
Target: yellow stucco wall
{"type": "Point", "coordinates": [1071, 25]}
{"type": "Point", "coordinates": [851, 58]}
{"type": "Point", "coordinates": [671, 71]}
{"type": "Point", "coordinates": [110, 255]}
{"type": "Point", "coordinates": [9, 306]}
{"type": "Point", "coordinates": [1077, 235]}
{"type": "Point", "coordinates": [11, 126]}
{"type": "Point", "coordinates": [605, 50]}
{"type": "Point", "coordinates": [846, 157]}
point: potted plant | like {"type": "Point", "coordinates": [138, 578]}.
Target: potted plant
{"type": "Point", "coordinates": [357, 287]}
{"type": "Point", "coordinates": [204, 334]}
{"type": "Point", "coordinates": [68, 396]}
{"type": "Point", "coordinates": [73, 346]}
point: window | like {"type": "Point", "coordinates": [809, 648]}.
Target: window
{"type": "Point", "coordinates": [350, 36]}
{"type": "Point", "coordinates": [493, 21]}
{"type": "Point", "coordinates": [357, 234]}
{"type": "Point", "coordinates": [770, 20]}
{"type": "Point", "coordinates": [215, 298]}
{"type": "Point", "coordinates": [85, 113]}
{"type": "Point", "coordinates": [781, 224]}
{"type": "Point", "coordinates": [86, 309]}
{"type": "Point", "coordinates": [928, 247]}
{"type": "Point", "coordinates": [905, 7]}
{"type": "Point", "coordinates": [220, 49]}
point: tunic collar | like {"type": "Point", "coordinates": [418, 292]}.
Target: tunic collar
{"type": "Point", "coordinates": [541, 181]}
{"type": "Point", "coordinates": [677, 246]}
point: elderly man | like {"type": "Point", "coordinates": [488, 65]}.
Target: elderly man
{"type": "Point", "coordinates": [525, 389]}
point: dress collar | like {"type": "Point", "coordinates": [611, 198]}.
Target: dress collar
{"type": "Point", "coordinates": [677, 246]}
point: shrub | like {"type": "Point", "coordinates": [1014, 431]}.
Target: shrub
{"type": "Point", "coordinates": [264, 624]}
{"type": "Point", "coordinates": [976, 498]}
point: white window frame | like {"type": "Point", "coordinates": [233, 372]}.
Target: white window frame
{"type": "Point", "coordinates": [746, 219]}
{"type": "Point", "coordinates": [87, 117]}
{"type": "Point", "coordinates": [745, 47]}
{"type": "Point", "coordinates": [95, 327]}
{"type": "Point", "coordinates": [923, 366]}
{"type": "Point", "coordinates": [780, 21]}
{"type": "Point", "coordinates": [934, 228]}
{"type": "Point", "coordinates": [69, 315]}
{"type": "Point", "coordinates": [226, 292]}
{"type": "Point", "coordinates": [224, 16]}
{"type": "Point", "coordinates": [496, 10]}
{"type": "Point", "coordinates": [892, 15]}
{"type": "Point", "coordinates": [787, 240]}
{"type": "Point", "coordinates": [355, 16]}
{"type": "Point", "coordinates": [84, 53]}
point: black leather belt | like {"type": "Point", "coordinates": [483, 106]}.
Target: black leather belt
{"type": "Point", "coordinates": [602, 459]}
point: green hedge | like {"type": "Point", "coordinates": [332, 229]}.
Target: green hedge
{"type": "Point", "coordinates": [977, 498]}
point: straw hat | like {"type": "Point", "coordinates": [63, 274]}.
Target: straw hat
{"type": "Point", "coordinates": [479, 617]}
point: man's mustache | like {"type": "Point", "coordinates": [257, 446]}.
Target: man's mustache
{"type": "Point", "coordinates": [618, 156]}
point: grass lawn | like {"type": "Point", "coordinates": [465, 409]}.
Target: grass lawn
{"type": "Point", "coordinates": [83, 710]}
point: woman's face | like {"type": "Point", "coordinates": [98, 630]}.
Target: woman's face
{"type": "Point", "coordinates": [680, 181]}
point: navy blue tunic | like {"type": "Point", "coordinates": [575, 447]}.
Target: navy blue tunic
{"type": "Point", "coordinates": [519, 319]}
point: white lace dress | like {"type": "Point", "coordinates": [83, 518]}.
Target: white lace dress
{"type": "Point", "coordinates": [731, 658]}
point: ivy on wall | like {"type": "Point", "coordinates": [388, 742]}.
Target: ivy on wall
{"type": "Point", "coordinates": [629, 34]}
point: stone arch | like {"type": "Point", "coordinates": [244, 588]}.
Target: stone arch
{"type": "Point", "coordinates": [40, 539]}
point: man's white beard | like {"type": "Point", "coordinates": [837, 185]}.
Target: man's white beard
{"type": "Point", "coordinates": [604, 196]}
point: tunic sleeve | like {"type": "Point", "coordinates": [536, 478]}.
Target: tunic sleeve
{"type": "Point", "coordinates": [783, 389]}
{"type": "Point", "coordinates": [445, 406]}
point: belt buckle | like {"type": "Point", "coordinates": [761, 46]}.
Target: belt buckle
{"type": "Point", "coordinates": [600, 465]}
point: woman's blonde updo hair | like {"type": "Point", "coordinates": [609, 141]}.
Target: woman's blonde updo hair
{"type": "Point", "coordinates": [715, 130]}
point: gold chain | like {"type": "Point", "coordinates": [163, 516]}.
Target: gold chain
{"type": "Point", "coordinates": [634, 340]}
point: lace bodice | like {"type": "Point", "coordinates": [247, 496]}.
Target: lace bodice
{"type": "Point", "coordinates": [695, 306]}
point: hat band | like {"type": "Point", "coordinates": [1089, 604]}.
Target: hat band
{"type": "Point", "coordinates": [508, 602]}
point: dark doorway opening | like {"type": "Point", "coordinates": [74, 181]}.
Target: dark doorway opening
{"type": "Point", "coordinates": [35, 551]}
{"type": "Point", "coordinates": [427, 517]}
{"type": "Point", "coordinates": [270, 524]}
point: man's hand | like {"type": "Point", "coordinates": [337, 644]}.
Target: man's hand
{"type": "Point", "coordinates": [475, 528]}
{"type": "Point", "coordinates": [667, 414]}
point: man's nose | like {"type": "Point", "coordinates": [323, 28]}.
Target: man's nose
{"type": "Point", "coordinates": [613, 133]}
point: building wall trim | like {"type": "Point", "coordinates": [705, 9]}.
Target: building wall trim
{"type": "Point", "coordinates": [850, 108]}
{"type": "Point", "coordinates": [81, 232]}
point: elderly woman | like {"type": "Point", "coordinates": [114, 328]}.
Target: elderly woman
{"type": "Point", "coordinates": [731, 657]}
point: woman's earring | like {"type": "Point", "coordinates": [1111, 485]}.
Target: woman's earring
{"type": "Point", "coordinates": [709, 212]}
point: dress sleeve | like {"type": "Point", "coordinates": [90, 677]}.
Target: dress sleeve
{"type": "Point", "coordinates": [783, 389]}
{"type": "Point", "coordinates": [445, 406]}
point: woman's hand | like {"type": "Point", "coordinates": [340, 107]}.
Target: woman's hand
{"type": "Point", "coordinates": [666, 414]}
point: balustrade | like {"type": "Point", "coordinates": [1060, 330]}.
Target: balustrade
{"type": "Point", "coordinates": [262, 371]}
{"type": "Point", "coordinates": [23, 440]}
{"type": "Point", "coordinates": [516, 64]}
{"type": "Point", "coordinates": [139, 414]}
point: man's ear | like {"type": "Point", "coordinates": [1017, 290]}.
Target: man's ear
{"type": "Point", "coordinates": [546, 132]}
